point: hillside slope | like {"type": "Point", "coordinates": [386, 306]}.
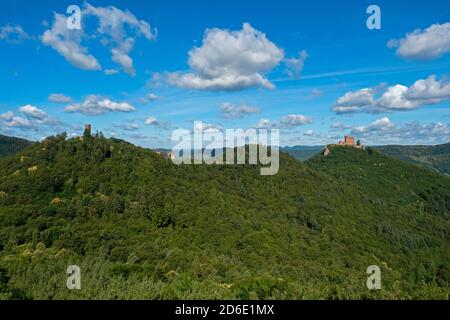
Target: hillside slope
{"type": "Point", "coordinates": [436, 158]}
{"type": "Point", "coordinates": [140, 227]}
{"type": "Point", "coordinates": [10, 145]}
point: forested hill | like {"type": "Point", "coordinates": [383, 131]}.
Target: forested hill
{"type": "Point", "coordinates": [436, 157]}
{"type": "Point", "coordinates": [10, 145]}
{"type": "Point", "coordinates": [387, 179]}
{"type": "Point", "coordinates": [141, 227]}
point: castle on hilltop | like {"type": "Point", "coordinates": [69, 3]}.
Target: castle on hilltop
{"type": "Point", "coordinates": [350, 141]}
{"type": "Point", "coordinates": [87, 130]}
{"type": "Point", "coordinates": [87, 133]}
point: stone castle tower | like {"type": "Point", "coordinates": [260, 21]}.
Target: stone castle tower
{"type": "Point", "coordinates": [87, 130]}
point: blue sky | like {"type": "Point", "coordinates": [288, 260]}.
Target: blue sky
{"type": "Point", "coordinates": [140, 69]}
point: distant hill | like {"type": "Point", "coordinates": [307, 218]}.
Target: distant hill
{"type": "Point", "coordinates": [10, 145]}
{"type": "Point", "coordinates": [302, 152]}
{"type": "Point", "coordinates": [386, 177]}
{"type": "Point", "coordinates": [436, 158]}
{"type": "Point", "coordinates": [141, 227]}
{"type": "Point", "coordinates": [297, 152]}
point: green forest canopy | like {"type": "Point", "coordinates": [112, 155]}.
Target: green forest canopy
{"type": "Point", "coordinates": [141, 227]}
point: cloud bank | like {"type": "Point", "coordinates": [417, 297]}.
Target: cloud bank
{"type": "Point", "coordinates": [394, 98]}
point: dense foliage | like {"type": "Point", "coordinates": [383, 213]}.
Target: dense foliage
{"type": "Point", "coordinates": [10, 145]}
{"type": "Point", "coordinates": [141, 227]}
{"type": "Point", "coordinates": [436, 158]}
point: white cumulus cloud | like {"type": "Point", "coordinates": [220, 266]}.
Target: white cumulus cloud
{"type": "Point", "coordinates": [31, 118]}
{"type": "Point", "coordinates": [110, 72]}
{"type": "Point", "coordinates": [7, 116]}
{"type": "Point", "coordinates": [67, 43]}
{"type": "Point", "coordinates": [431, 43]}
{"type": "Point", "coordinates": [19, 122]}
{"type": "Point", "coordinates": [231, 111]}
{"type": "Point", "coordinates": [293, 120]}
{"type": "Point", "coordinates": [263, 124]}
{"type": "Point", "coordinates": [287, 122]}
{"type": "Point", "coordinates": [230, 60]}
{"type": "Point", "coordinates": [206, 127]}
{"type": "Point", "coordinates": [33, 112]}
{"type": "Point", "coordinates": [353, 101]}
{"type": "Point", "coordinates": [429, 90]}
{"type": "Point", "coordinates": [59, 98]}
{"type": "Point", "coordinates": [381, 124]}
{"type": "Point", "coordinates": [151, 121]}
{"type": "Point", "coordinates": [96, 105]}
{"type": "Point", "coordinates": [117, 30]}
{"type": "Point", "coordinates": [395, 98]}
{"type": "Point", "coordinates": [150, 97]}
{"type": "Point", "coordinates": [384, 131]}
